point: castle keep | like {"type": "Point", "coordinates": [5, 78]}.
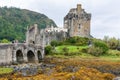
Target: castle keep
{"type": "Point", "coordinates": [76, 23]}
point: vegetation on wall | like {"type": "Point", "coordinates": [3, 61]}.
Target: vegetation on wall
{"type": "Point", "coordinates": [14, 22]}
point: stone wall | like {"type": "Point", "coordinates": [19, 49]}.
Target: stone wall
{"type": "Point", "coordinates": [77, 21]}
{"type": "Point", "coordinates": [6, 53]}
{"type": "Point", "coordinates": [19, 53]}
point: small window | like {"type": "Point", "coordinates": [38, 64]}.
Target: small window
{"type": "Point", "coordinates": [79, 26]}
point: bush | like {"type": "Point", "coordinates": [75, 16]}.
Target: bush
{"type": "Point", "coordinates": [95, 51]}
{"type": "Point", "coordinates": [101, 45]}
{"type": "Point", "coordinates": [114, 52]}
{"type": "Point", "coordinates": [113, 43]}
{"type": "Point", "coordinates": [48, 49]}
{"type": "Point", "coordinates": [65, 49]}
{"type": "Point", "coordinates": [4, 41]}
{"type": "Point", "coordinates": [84, 50]}
{"type": "Point", "coordinates": [78, 41]}
{"type": "Point", "coordinates": [54, 43]}
{"type": "Point", "coordinates": [98, 48]}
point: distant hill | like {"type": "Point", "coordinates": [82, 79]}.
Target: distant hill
{"type": "Point", "coordinates": [14, 21]}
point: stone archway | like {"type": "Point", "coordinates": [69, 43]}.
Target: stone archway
{"type": "Point", "coordinates": [31, 57]}
{"type": "Point", "coordinates": [19, 56]}
{"type": "Point", "coordinates": [39, 56]}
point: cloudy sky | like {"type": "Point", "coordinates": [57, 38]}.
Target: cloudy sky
{"type": "Point", "coordinates": [105, 13]}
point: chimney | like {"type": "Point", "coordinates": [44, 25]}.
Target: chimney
{"type": "Point", "coordinates": [79, 8]}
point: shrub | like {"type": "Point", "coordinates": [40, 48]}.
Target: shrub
{"type": "Point", "coordinates": [95, 51]}
{"type": "Point", "coordinates": [84, 50]}
{"type": "Point", "coordinates": [113, 43]}
{"type": "Point", "coordinates": [54, 43]}
{"type": "Point", "coordinates": [4, 41]}
{"type": "Point", "coordinates": [78, 41]}
{"type": "Point", "coordinates": [98, 48]}
{"type": "Point", "coordinates": [101, 45]}
{"type": "Point", "coordinates": [48, 49]}
{"type": "Point", "coordinates": [65, 49]}
{"type": "Point", "coordinates": [114, 52]}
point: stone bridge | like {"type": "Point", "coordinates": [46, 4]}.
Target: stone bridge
{"type": "Point", "coordinates": [20, 53]}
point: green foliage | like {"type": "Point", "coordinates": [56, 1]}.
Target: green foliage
{"type": "Point", "coordinates": [54, 43]}
{"type": "Point", "coordinates": [70, 47]}
{"type": "Point", "coordinates": [6, 70]}
{"type": "Point", "coordinates": [48, 49]}
{"type": "Point", "coordinates": [114, 53]}
{"type": "Point", "coordinates": [101, 45]}
{"type": "Point", "coordinates": [113, 43]}
{"type": "Point", "coordinates": [95, 51]}
{"type": "Point", "coordinates": [14, 21]}
{"type": "Point", "coordinates": [78, 41]}
{"type": "Point", "coordinates": [98, 48]}
{"type": "Point", "coordinates": [4, 41]}
{"type": "Point", "coordinates": [65, 49]}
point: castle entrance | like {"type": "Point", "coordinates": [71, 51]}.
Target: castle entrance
{"type": "Point", "coordinates": [39, 56]}
{"type": "Point", "coordinates": [31, 57]}
{"type": "Point", "coordinates": [19, 56]}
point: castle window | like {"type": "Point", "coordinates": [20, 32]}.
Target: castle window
{"type": "Point", "coordinates": [79, 26]}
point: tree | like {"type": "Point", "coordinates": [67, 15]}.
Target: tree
{"type": "Point", "coordinates": [54, 43]}
{"type": "Point", "coordinates": [48, 49]}
{"type": "Point", "coordinates": [5, 41]}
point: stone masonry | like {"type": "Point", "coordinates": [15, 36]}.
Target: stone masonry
{"type": "Point", "coordinates": [77, 21]}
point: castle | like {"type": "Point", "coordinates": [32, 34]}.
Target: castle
{"type": "Point", "coordinates": [76, 23]}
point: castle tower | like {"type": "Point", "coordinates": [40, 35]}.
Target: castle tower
{"type": "Point", "coordinates": [79, 8]}
{"type": "Point", "coordinates": [31, 34]}
{"type": "Point", "coordinates": [77, 21]}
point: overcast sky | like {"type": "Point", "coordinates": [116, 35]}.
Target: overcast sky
{"type": "Point", "coordinates": [105, 13]}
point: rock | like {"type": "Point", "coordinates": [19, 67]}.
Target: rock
{"type": "Point", "coordinates": [117, 78]}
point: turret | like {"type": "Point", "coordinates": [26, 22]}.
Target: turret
{"type": "Point", "coordinates": [79, 8]}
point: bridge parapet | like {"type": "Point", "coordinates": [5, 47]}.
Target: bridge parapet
{"type": "Point", "coordinates": [5, 45]}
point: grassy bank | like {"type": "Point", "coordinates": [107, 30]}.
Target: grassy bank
{"type": "Point", "coordinates": [80, 52]}
{"type": "Point", "coordinates": [5, 70]}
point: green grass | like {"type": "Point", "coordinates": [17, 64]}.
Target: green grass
{"type": "Point", "coordinates": [5, 70]}
{"type": "Point", "coordinates": [71, 48]}
{"type": "Point", "coordinates": [112, 55]}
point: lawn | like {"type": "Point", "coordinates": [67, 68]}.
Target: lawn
{"type": "Point", "coordinates": [112, 55]}
{"type": "Point", "coordinates": [5, 70]}
{"type": "Point", "coordinates": [71, 48]}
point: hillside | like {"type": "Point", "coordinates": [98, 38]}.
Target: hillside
{"type": "Point", "coordinates": [14, 21]}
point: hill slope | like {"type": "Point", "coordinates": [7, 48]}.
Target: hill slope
{"type": "Point", "coordinates": [14, 21]}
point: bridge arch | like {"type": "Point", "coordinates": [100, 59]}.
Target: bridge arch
{"type": "Point", "coordinates": [19, 56]}
{"type": "Point", "coordinates": [39, 55]}
{"type": "Point", "coordinates": [31, 56]}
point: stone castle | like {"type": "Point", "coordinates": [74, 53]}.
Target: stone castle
{"type": "Point", "coordinates": [76, 23]}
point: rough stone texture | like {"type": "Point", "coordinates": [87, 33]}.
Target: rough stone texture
{"type": "Point", "coordinates": [117, 78]}
{"type": "Point", "coordinates": [77, 21]}
{"type": "Point", "coordinates": [43, 37]}
{"type": "Point", "coordinates": [8, 53]}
